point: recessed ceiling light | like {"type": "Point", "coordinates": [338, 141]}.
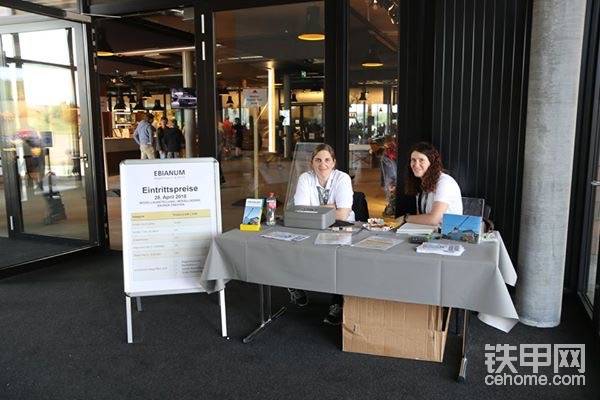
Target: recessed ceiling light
{"type": "Point", "coordinates": [311, 37]}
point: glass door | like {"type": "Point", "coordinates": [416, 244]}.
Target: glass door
{"type": "Point", "coordinates": [46, 181]}
{"type": "Point", "coordinates": [269, 82]}
{"type": "Point", "coordinates": [589, 279]}
{"type": "Point", "coordinates": [590, 283]}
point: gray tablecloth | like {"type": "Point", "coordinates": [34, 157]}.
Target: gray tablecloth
{"type": "Point", "coordinates": [476, 280]}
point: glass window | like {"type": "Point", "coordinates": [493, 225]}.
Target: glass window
{"type": "Point", "coordinates": [152, 74]}
{"type": "Point", "coordinates": [10, 16]}
{"type": "Point", "coordinates": [373, 94]}
{"type": "Point", "coordinates": [278, 52]}
{"type": "Point", "coordinates": [43, 155]}
{"type": "Point", "coordinates": [70, 5]}
{"type": "Point", "coordinates": [34, 46]}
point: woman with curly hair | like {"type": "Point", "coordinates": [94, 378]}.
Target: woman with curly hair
{"type": "Point", "coordinates": [436, 193]}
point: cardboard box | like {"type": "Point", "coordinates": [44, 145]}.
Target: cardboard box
{"type": "Point", "coordinates": [395, 329]}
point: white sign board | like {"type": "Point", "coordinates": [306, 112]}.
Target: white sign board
{"type": "Point", "coordinates": [171, 210]}
{"type": "Point", "coordinates": [286, 117]}
{"type": "Point", "coordinates": [253, 97]}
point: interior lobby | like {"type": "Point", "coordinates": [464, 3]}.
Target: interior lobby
{"type": "Point", "coordinates": [512, 105]}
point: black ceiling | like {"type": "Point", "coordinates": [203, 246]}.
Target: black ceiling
{"type": "Point", "coordinates": [241, 34]}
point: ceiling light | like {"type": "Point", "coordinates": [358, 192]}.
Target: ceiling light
{"type": "Point", "coordinates": [157, 106]}
{"type": "Point", "coordinates": [120, 104]}
{"type": "Point", "coordinates": [103, 48]}
{"type": "Point", "coordinates": [154, 51]}
{"type": "Point", "coordinates": [313, 31]}
{"type": "Point", "coordinates": [372, 60]}
{"type": "Point", "coordinates": [311, 37]}
{"type": "Point", "coordinates": [139, 106]}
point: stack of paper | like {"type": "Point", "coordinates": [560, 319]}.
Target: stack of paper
{"type": "Point", "coordinates": [286, 236]}
{"type": "Point", "coordinates": [378, 242]}
{"type": "Point", "coordinates": [416, 229]}
{"type": "Point", "coordinates": [439, 248]}
{"type": "Point", "coordinates": [344, 238]}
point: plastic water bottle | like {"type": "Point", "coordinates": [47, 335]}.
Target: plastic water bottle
{"type": "Point", "coordinates": [271, 206]}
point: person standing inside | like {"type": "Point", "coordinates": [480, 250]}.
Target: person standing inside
{"type": "Point", "coordinates": [143, 137]}
{"type": "Point", "coordinates": [160, 133]}
{"type": "Point", "coordinates": [239, 129]}
{"type": "Point", "coordinates": [173, 141]}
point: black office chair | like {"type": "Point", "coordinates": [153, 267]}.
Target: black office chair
{"type": "Point", "coordinates": [477, 206]}
{"type": "Point", "coordinates": [360, 207]}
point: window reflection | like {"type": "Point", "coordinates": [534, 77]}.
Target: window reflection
{"type": "Point", "coordinates": [40, 125]}
{"type": "Point", "coordinates": [373, 108]}
{"type": "Point", "coordinates": [279, 52]}
{"type": "Point", "coordinates": [31, 49]}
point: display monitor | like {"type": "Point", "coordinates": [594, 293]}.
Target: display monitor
{"type": "Point", "coordinates": [183, 98]}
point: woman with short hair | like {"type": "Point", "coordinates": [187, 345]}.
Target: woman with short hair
{"type": "Point", "coordinates": [325, 186]}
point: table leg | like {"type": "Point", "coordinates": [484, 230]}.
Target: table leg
{"type": "Point", "coordinates": [128, 317]}
{"type": "Point", "coordinates": [462, 374]}
{"type": "Point", "coordinates": [457, 322]}
{"type": "Point", "coordinates": [270, 317]}
{"type": "Point", "coordinates": [222, 306]}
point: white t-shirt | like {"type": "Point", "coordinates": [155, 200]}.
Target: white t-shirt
{"type": "Point", "coordinates": [339, 187]}
{"type": "Point", "coordinates": [446, 191]}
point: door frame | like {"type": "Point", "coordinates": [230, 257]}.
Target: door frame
{"type": "Point", "coordinates": [335, 105]}
{"type": "Point", "coordinates": [93, 181]}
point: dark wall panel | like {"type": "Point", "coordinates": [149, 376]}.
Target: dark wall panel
{"type": "Point", "coordinates": [478, 101]}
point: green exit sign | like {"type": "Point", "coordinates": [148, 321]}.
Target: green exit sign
{"type": "Point", "coordinates": [303, 74]}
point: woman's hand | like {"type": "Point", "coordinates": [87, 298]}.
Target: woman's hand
{"type": "Point", "coordinates": [342, 213]}
{"type": "Point", "coordinates": [432, 218]}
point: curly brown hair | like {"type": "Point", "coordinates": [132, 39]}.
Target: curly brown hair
{"type": "Point", "coordinates": [414, 185]}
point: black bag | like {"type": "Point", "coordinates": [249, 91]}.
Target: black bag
{"type": "Point", "coordinates": [360, 207]}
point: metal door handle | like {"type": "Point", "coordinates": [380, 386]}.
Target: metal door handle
{"type": "Point", "coordinates": [84, 157]}
{"type": "Point", "coordinates": [595, 183]}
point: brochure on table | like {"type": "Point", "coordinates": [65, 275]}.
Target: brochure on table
{"type": "Point", "coordinates": [378, 243]}
{"type": "Point", "coordinates": [465, 228]}
{"type": "Point", "coordinates": [171, 210]}
{"type": "Point", "coordinates": [334, 238]}
{"type": "Point", "coordinates": [252, 215]}
{"type": "Point", "coordinates": [409, 228]}
{"type": "Point", "coordinates": [285, 236]}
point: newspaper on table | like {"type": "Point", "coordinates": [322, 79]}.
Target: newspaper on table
{"type": "Point", "coordinates": [440, 248]}
{"type": "Point", "coordinates": [378, 242]}
{"type": "Point", "coordinates": [285, 236]}
{"type": "Point", "coordinates": [343, 238]}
